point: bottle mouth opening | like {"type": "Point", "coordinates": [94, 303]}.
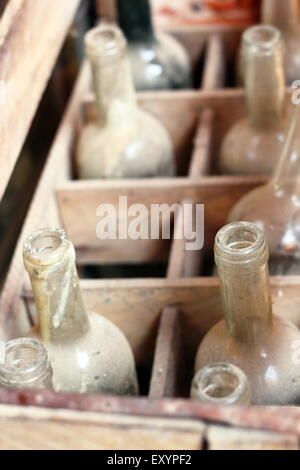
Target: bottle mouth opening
{"type": "Point", "coordinates": [219, 383]}
{"type": "Point", "coordinates": [105, 42]}
{"type": "Point", "coordinates": [240, 242]}
{"type": "Point", "coordinates": [23, 357]}
{"type": "Point", "coordinates": [261, 39]}
{"type": "Point", "coordinates": [46, 246]}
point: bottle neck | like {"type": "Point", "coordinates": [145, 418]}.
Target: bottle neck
{"type": "Point", "coordinates": [49, 258]}
{"type": "Point", "coordinates": [221, 384]}
{"type": "Point", "coordinates": [136, 20]}
{"type": "Point", "coordinates": [25, 365]}
{"type": "Point", "coordinates": [112, 79]}
{"type": "Point", "coordinates": [242, 256]}
{"type": "Point", "coordinates": [287, 170]}
{"type": "Point", "coordinates": [264, 76]}
{"type": "Point", "coordinates": [283, 14]}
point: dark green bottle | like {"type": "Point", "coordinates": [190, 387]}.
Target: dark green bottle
{"type": "Point", "coordinates": [158, 60]}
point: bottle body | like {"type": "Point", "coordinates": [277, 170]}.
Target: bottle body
{"type": "Point", "coordinates": [25, 365]}
{"type": "Point", "coordinates": [125, 141]}
{"type": "Point", "coordinates": [253, 144]}
{"type": "Point", "coordinates": [251, 337]}
{"type": "Point", "coordinates": [88, 353]}
{"type": "Point", "coordinates": [158, 61]}
{"type": "Point", "coordinates": [100, 361]}
{"type": "Point", "coordinates": [221, 384]}
{"type": "Point", "coordinates": [251, 150]}
{"type": "Point", "coordinates": [268, 366]}
{"type": "Point", "coordinates": [274, 207]}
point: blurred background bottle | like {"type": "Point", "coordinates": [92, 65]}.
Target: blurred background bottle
{"type": "Point", "coordinates": [253, 144]}
{"type": "Point", "coordinates": [125, 141]}
{"type": "Point", "coordinates": [285, 16]}
{"type": "Point", "coordinates": [157, 59]}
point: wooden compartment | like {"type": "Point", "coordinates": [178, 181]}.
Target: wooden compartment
{"type": "Point", "coordinates": [164, 319]}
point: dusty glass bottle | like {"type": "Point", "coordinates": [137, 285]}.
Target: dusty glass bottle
{"type": "Point", "coordinates": [263, 345]}
{"type": "Point", "coordinates": [253, 144]}
{"type": "Point", "coordinates": [285, 16]}
{"type": "Point", "coordinates": [158, 60]}
{"type": "Point", "coordinates": [125, 141]}
{"type": "Point", "coordinates": [274, 207]}
{"type": "Point", "coordinates": [88, 353]}
{"type": "Point", "coordinates": [26, 365]}
{"type": "Point", "coordinates": [221, 384]}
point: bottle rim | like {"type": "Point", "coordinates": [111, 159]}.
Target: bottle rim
{"type": "Point", "coordinates": [240, 384]}
{"type": "Point", "coordinates": [105, 43]}
{"type": "Point", "coordinates": [241, 243]}
{"type": "Point", "coordinates": [262, 39]}
{"type": "Point", "coordinates": [46, 246]}
{"type": "Point", "coordinates": [39, 365]}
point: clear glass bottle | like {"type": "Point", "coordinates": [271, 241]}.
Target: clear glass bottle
{"type": "Point", "coordinates": [253, 144]}
{"type": "Point", "coordinates": [221, 384]}
{"type": "Point", "coordinates": [88, 353]}
{"type": "Point", "coordinates": [285, 16]}
{"type": "Point", "coordinates": [251, 337]}
{"type": "Point", "coordinates": [125, 142]}
{"type": "Point", "coordinates": [26, 365]}
{"type": "Point", "coordinates": [274, 207]}
{"type": "Point", "coordinates": [158, 60]}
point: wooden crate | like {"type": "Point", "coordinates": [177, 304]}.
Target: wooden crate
{"type": "Point", "coordinates": [164, 319]}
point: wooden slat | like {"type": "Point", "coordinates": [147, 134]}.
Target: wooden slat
{"type": "Point", "coordinates": [78, 203]}
{"type": "Point", "coordinates": [221, 438]}
{"type": "Point", "coordinates": [31, 35]}
{"type": "Point", "coordinates": [200, 161]}
{"type": "Point", "coordinates": [214, 67]}
{"type": "Point", "coordinates": [24, 428]}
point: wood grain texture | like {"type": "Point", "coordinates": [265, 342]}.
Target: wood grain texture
{"type": "Point", "coordinates": [221, 438]}
{"type": "Point", "coordinates": [43, 429]}
{"type": "Point", "coordinates": [31, 35]}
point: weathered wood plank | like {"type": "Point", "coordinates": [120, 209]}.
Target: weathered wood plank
{"type": "Point", "coordinates": [31, 35]}
{"type": "Point", "coordinates": [43, 429]}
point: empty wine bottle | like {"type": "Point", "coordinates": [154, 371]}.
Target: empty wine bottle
{"type": "Point", "coordinates": [25, 365]}
{"type": "Point", "coordinates": [158, 60]}
{"type": "Point", "coordinates": [274, 207]}
{"type": "Point", "coordinates": [125, 141]}
{"type": "Point", "coordinates": [253, 144]}
{"type": "Point", "coordinates": [221, 384]}
{"type": "Point", "coordinates": [88, 352]}
{"type": "Point", "coordinates": [263, 345]}
{"type": "Point", "coordinates": [285, 16]}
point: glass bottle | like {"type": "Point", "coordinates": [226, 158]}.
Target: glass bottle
{"type": "Point", "coordinates": [125, 141]}
{"type": "Point", "coordinates": [157, 59]}
{"type": "Point", "coordinates": [274, 207]}
{"type": "Point", "coordinates": [263, 345]}
{"type": "Point", "coordinates": [253, 143]}
{"type": "Point", "coordinates": [26, 365]}
{"type": "Point", "coordinates": [88, 353]}
{"type": "Point", "coordinates": [221, 384]}
{"type": "Point", "coordinates": [285, 16]}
